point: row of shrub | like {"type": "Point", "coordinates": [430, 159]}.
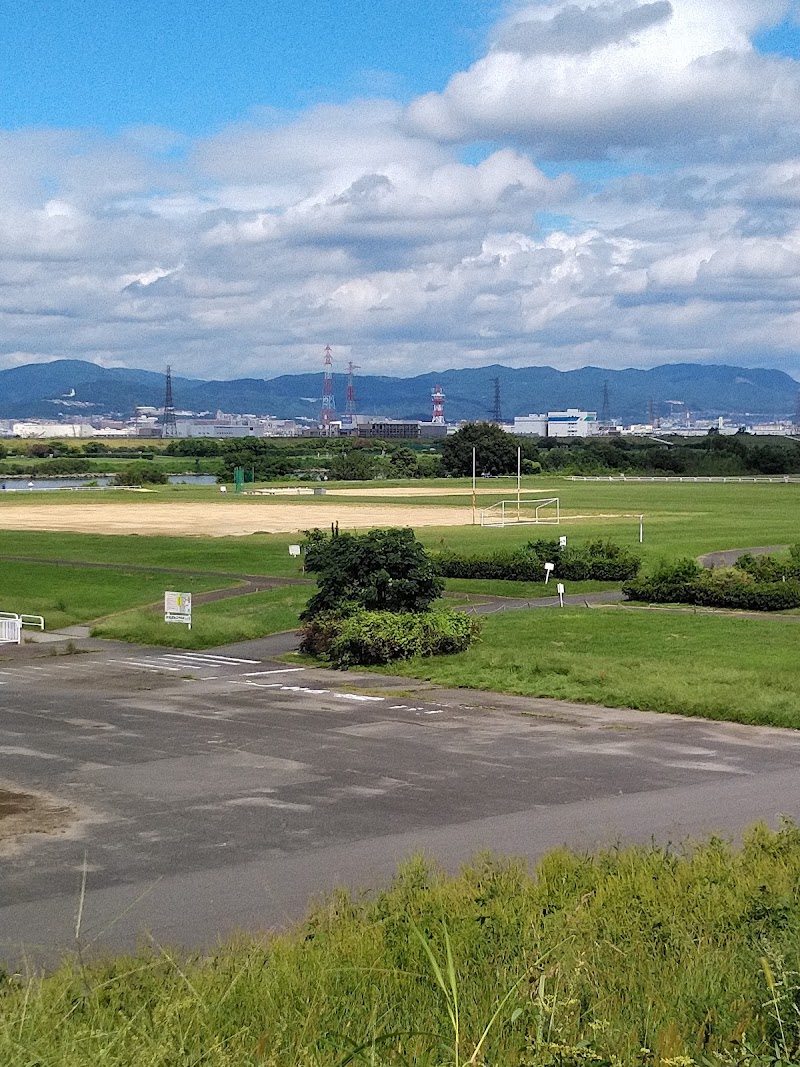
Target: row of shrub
{"type": "Point", "coordinates": [374, 638]}
{"type": "Point", "coordinates": [599, 560]}
{"type": "Point", "coordinates": [770, 568]}
{"type": "Point", "coordinates": [684, 582]}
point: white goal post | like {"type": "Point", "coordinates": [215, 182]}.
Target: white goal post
{"type": "Point", "coordinates": [541, 511]}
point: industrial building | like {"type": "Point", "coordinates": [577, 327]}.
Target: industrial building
{"type": "Point", "coordinates": [385, 428]}
{"type": "Point", "coordinates": [570, 423]}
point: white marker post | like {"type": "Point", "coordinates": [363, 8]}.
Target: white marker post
{"type": "Point", "coordinates": [548, 570]}
{"type": "Point", "coordinates": [641, 529]}
{"type": "Point", "coordinates": [560, 591]}
{"type": "Point", "coordinates": [178, 608]}
{"type": "Point", "coordinates": [562, 541]}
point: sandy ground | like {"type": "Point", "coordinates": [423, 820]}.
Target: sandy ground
{"type": "Point", "coordinates": [30, 813]}
{"type": "Point", "coordinates": [220, 518]}
{"type": "Point", "coordinates": [484, 488]}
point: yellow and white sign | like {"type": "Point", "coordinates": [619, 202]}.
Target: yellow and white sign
{"type": "Point", "coordinates": [178, 608]}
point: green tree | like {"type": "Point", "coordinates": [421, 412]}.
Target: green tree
{"type": "Point", "coordinates": [353, 467]}
{"type": "Point", "coordinates": [403, 464]}
{"type": "Point", "coordinates": [384, 570]}
{"type": "Point", "coordinates": [141, 474]}
{"type": "Point", "coordinates": [495, 450]}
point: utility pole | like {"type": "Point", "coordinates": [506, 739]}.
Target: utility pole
{"type": "Point", "coordinates": [169, 428]}
{"type": "Point", "coordinates": [328, 403]}
{"type": "Point", "coordinates": [605, 416]}
{"type": "Point", "coordinates": [496, 414]}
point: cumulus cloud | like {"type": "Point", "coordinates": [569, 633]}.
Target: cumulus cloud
{"type": "Point", "coordinates": [613, 76]}
{"type": "Point", "coordinates": [367, 225]}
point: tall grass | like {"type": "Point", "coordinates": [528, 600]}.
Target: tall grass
{"type": "Point", "coordinates": [642, 956]}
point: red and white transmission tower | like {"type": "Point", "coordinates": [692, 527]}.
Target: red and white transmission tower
{"type": "Point", "coordinates": [350, 406]}
{"type": "Point", "coordinates": [437, 396]}
{"type": "Point", "coordinates": [328, 403]}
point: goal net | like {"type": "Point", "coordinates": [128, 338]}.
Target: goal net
{"type": "Point", "coordinates": [526, 512]}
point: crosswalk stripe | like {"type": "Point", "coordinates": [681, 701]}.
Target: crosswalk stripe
{"type": "Point", "coordinates": [153, 665]}
{"type": "Point", "coordinates": [278, 670]}
{"type": "Point", "coordinates": [208, 657]}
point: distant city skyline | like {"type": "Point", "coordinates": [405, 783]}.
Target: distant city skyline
{"type": "Point", "coordinates": [228, 189]}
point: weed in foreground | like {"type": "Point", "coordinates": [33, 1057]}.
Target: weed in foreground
{"type": "Point", "coordinates": [647, 957]}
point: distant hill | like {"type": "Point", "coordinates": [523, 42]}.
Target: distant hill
{"type": "Point", "coordinates": [45, 390]}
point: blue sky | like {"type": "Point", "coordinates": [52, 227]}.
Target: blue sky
{"type": "Point", "coordinates": [194, 65]}
{"type": "Point", "coordinates": [229, 188]}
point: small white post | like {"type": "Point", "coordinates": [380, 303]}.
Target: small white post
{"type": "Point", "coordinates": [548, 570]}
{"type": "Point", "coordinates": [473, 486]}
{"type": "Point", "coordinates": [560, 591]}
{"type": "Point", "coordinates": [641, 529]}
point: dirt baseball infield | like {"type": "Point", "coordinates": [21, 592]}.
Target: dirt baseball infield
{"type": "Point", "coordinates": [220, 518]}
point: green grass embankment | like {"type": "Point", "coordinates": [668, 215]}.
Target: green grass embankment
{"type": "Point", "coordinates": [223, 622]}
{"type": "Point", "coordinates": [640, 957]}
{"type": "Point", "coordinates": [68, 595]}
{"type": "Point", "coordinates": [719, 667]}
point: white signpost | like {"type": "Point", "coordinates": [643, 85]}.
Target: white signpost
{"type": "Point", "coordinates": [562, 541]}
{"type": "Point", "coordinates": [548, 570]}
{"type": "Point", "coordinates": [560, 591]}
{"type": "Point", "coordinates": [178, 608]}
{"type": "Point", "coordinates": [294, 550]}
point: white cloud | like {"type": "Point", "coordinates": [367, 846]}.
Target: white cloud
{"type": "Point", "coordinates": [247, 251]}
{"type": "Point", "coordinates": [615, 75]}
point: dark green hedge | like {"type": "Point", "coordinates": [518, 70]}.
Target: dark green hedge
{"type": "Point", "coordinates": [601, 561]}
{"type": "Point", "coordinates": [685, 583]}
{"type": "Point", "coordinates": [372, 638]}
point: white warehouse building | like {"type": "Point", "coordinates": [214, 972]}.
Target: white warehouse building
{"type": "Point", "coordinates": [570, 423]}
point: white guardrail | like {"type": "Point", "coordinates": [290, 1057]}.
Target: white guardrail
{"type": "Point", "coordinates": [680, 478]}
{"type": "Point", "coordinates": [11, 625]}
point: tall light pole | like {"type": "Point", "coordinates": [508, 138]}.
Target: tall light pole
{"type": "Point", "coordinates": [518, 478]}
{"type": "Point", "coordinates": [473, 485]}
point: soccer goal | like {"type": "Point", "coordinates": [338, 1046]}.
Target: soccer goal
{"type": "Point", "coordinates": [526, 512]}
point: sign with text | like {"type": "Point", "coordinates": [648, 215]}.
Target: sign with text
{"type": "Point", "coordinates": [178, 608]}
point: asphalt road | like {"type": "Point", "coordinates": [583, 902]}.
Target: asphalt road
{"type": "Point", "coordinates": [214, 794]}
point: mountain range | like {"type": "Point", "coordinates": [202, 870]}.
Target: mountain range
{"type": "Point", "coordinates": [76, 387]}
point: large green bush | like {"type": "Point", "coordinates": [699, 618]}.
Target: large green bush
{"type": "Point", "coordinates": [370, 638]}
{"type": "Point", "coordinates": [599, 560]}
{"type": "Point", "coordinates": [383, 570]}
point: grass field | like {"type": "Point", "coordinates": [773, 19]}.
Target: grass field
{"type": "Point", "coordinates": [642, 958]}
{"type": "Point", "coordinates": [220, 623]}
{"type": "Point", "coordinates": [719, 667]}
{"type": "Point", "coordinates": [68, 595]}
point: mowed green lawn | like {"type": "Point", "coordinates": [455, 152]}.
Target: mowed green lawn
{"type": "Point", "coordinates": [260, 554]}
{"type": "Point", "coordinates": [220, 623]}
{"type": "Point", "coordinates": [68, 595]}
{"type": "Point", "coordinates": [738, 669]}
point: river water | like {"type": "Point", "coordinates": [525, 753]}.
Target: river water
{"type": "Point", "coordinates": [13, 485]}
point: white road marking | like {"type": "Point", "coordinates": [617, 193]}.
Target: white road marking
{"type": "Point", "coordinates": [278, 670]}
{"type": "Point", "coordinates": [152, 665]}
{"type": "Point", "coordinates": [355, 696]}
{"type": "Point", "coordinates": [208, 657]}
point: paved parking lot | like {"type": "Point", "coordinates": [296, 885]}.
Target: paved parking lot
{"type": "Point", "coordinates": [215, 791]}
